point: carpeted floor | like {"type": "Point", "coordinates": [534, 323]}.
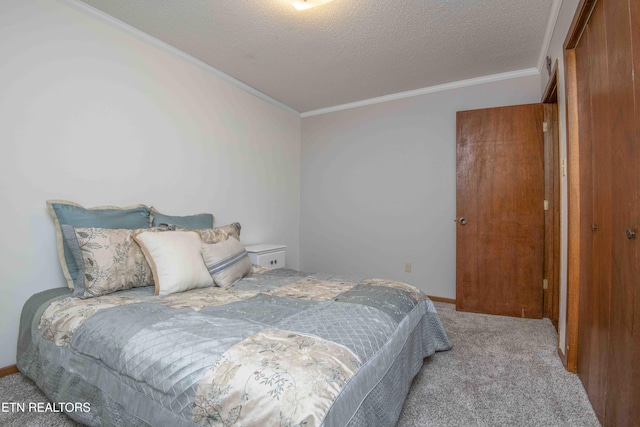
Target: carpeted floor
{"type": "Point", "coordinates": [502, 371]}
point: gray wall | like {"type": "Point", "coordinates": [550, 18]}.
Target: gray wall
{"type": "Point", "coordinates": [378, 184]}
{"type": "Point", "coordinates": [92, 114]}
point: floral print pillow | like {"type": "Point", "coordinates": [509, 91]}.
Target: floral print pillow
{"type": "Point", "coordinates": [220, 234]}
{"type": "Point", "coordinates": [108, 260]}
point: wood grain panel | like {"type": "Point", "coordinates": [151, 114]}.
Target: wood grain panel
{"type": "Point", "coordinates": [596, 312]}
{"type": "Point", "coordinates": [575, 168]}
{"type": "Point", "coordinates": [500, 192]}
{"type": "Point", "coordinates": [583, 78]}
{"type": "Point", "coordinates": [624, 184]}
{"type": "Point", "coordinates": [635, 220]}
{"type": "Point", "coordinates": [608, 51]}
{"type": "Point", "coordinates": [624, 160]}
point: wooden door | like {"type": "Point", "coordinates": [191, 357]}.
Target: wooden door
{"type": "Point", "coordinates": [500, 211]}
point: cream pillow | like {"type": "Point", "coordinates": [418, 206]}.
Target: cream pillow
{"type": "Point", "coordinates": [227, 261]}
{"type": "Point", "coordinates": [175, 259]}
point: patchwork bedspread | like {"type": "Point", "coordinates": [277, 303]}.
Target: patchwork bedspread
{"type": "Point", "coordinates": [280, 348]}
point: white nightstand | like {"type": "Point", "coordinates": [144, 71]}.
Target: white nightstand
{"type": "Point", "coordinates": [267, 255]}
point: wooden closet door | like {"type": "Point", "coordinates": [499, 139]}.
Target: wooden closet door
{"type": "Point", "coordinates": [621, 400]}
{"type": "Point", "coordinates": [589, 346]}
{"type": "Point", "coordinates": [635, 217]}
{"type": "Point", "coordinates": [609, 121]}
{"type": "Point", "coordinates": [593, 80]}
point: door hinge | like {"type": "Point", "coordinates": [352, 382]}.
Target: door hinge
{"type": "Point", "coordinates": [545, 284]}
{"type": "Point", "coordinates": [546, 205]}
{"type": "Point", "coordinates": [545, 127]}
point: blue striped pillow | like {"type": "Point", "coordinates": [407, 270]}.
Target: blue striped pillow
{"type": "Point", "coordinates": [227, 261]}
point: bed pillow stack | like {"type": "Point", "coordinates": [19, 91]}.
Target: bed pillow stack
{"type": "Point", "coordinates": [104, 217]}
{"type": "Point", "coordinates": [107, 249]}
{"type": "Point", "coordinates": [183, 259]}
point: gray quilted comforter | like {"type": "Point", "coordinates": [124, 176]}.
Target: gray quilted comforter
{"type": "Point", "coordinates": [280, 348]}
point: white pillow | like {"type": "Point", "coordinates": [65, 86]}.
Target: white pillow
{"type": "Point", "coordinates": [175, 259]}
{"type": "Point", "coordinates": [227, 261]}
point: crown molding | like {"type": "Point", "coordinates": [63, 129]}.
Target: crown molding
{"type": "Point", "coordinates": [432, 89]}
{"type": "Point", "coordinates": [548, 35]}
{"type": "Point", "coordinates": [141, 35]}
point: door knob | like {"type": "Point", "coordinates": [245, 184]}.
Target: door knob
{"type": "Point", "coordinates": [462, 220]}
{"type": "Point", "coordinates": [631, 234]}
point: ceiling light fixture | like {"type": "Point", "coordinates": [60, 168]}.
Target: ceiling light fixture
{"type": "Point", "coordinates": [308, 4]}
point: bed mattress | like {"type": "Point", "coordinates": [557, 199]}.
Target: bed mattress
{"type": "Point", "coordinates": [281, 347]}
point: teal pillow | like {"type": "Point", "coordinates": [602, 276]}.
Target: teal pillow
{"type": "Point", "coordinates": [192, 222]}
{"type": "Point", "coordinates": [69, 213]}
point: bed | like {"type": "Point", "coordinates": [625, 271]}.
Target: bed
{"type": "Point", "coordinates": [276, 347]}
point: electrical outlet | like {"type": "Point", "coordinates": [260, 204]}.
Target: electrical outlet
{"type": "Point", "coordinates": [407, 267]}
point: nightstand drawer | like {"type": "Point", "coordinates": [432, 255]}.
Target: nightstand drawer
{"type": "Point", "coordinates": [271, 256]}
{"type": "Point", "coordinates": [273, 259]}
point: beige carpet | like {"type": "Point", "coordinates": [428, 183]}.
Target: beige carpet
{"type": "Point", "coordinates": [502, 371]}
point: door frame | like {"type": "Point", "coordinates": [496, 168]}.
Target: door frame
{"type": "Point", "coordinates": [551, 295]}
{"type": "Point", "coordinates": [578, 162]}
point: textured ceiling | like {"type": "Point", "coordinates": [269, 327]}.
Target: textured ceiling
{"type": "Point", "coordinates": [346, 50]}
